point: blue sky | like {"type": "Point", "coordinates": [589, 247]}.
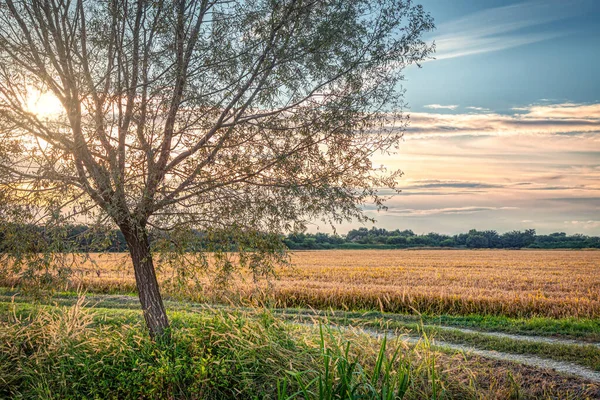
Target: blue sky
{"type": "Point", "coordinates": [498, 54]}
{"type": "Point", "coordinates": [505, 122]}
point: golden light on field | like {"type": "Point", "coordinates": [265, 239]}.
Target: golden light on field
{"type": "Point", "coordinates": [499, 282]}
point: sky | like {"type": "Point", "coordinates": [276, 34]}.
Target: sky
{"type": "Point", "coordinates": [505, 122]}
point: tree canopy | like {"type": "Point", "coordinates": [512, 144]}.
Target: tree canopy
{"type": "Point", "coordinates": [238, 116]}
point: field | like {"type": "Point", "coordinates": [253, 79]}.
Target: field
{"type": "Point", "coordinates": [470, 324]}
{"type": "Point", "coordinates": [459, 282]}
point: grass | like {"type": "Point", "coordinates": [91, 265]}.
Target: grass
{"type": "Point", "coordinates": [69, 352]}
{"type": "Point", "coordinates": [51, 346]}
{"type": "Point", "coordinates": [76, 352]}
{"type": "Point", "coordinates": [588, 356]}
{"type": "Point", "coordinates": [585, 355]}
{"type": "Point", "coordinates": [583, 329]}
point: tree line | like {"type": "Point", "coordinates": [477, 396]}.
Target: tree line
{"type": "Point", "coordinates": [378, 238]}
{"type": "Point", "coordinates": [82, 238]}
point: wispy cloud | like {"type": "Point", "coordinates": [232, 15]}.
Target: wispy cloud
{"type": "Point", "coordinates": [478, 109]}
{"type": "Point", "coordinates": [504, 27]}
{"type": "Point", "coordinates": [451, 184]}
{"type": "Point", "coordinates": [441, 107]}
{"type": "Point", "coordinates": [462, 169]}
{"type": "Point", "coordinates": [591, 224]}
{"type": "Point", "coordinates": [566, 119]}
{"type": "Point", "coordinates": [450, 210]}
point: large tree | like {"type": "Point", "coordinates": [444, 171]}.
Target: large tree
{"type": "Point", "coordinates": [205, 115]}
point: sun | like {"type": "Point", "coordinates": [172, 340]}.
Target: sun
{"type": "Point", "coordinates": [43, 104]}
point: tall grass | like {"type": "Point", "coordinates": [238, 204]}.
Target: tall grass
{"type": "Point", "coordinates": [81, 353]}
{"type": "Point", "coordinates": [72, 352]}
{"type": "Point", "coordinates": [343, 377]}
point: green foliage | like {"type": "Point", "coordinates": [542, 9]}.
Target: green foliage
{"type": "Point", "coordinates": [477, 241]}
{"type": "Point", "coordinates": [65, 353]}
{"type": "Point", "coordinates": [70, 352]}
{"type": "Point", "coordinates": [377, 238]}
{"type": "Point", "coordinates": [343, 377]}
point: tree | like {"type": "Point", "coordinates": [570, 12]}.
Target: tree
{"type": "Point", "coordinates": [518, 239]}
{"type": "Point", "coordinates": [249, 116]}
{"type": "Point", "coordinates": [477, 241]}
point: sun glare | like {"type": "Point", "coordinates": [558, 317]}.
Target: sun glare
{"type": "Point", "coordinates": [43, 104]}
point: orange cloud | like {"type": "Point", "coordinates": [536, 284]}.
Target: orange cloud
{"type": "Point", "coordinates": [564, 118]}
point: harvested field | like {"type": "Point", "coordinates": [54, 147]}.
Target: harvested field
{"type": "Point", "coordinates": [498, 282]}
{"type": "Point", "coordinates": [513, 283]}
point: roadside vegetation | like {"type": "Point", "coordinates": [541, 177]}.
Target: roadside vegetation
{"type": "Point", "coordinates": [80, 352]}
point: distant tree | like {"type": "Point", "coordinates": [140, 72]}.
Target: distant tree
{"type": "Point", "coordinates": [477, 241]}
{"type": "Point", "coordinates": [448, 243]}
{"type": "Point", "coordinates": [493, 238]}
{"type": "Point", "coordinates": [396, 240]}
{"type": "Point", "coordinates": [436, 238]}
{"type": "Point", "coordinates": [461, 239]}
{"type": "Point", "coordinates": [357, 234]}
{"type": "Point", "coordinates": [238, 117]}
{"type": "Point", "coordinates": [419, 241]}
{"type": "Point", "coordinates": [518, 239]}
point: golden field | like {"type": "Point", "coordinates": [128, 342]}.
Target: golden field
{"type": "Point", "coordinates": [499, 282]}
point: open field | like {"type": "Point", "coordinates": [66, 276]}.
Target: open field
{"type": "Point", "coordinates": [511, 283]}
{"type": "Point", "coordinates": [471, 324]}
{"type": "Point", "coordinates": [523, 283]}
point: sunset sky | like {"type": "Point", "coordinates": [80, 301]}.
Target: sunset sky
{"type": "Point", "coordinates": [505, 123]}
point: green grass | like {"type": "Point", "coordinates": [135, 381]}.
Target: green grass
{"type": "Point", "coordinates": [57, 347]}
{"type": "Point", "coordinates": [567, 328]}
{"type": "Point", "coordinates": [585, 355]}
{"type": "Point", "coordinates": [73, 352]}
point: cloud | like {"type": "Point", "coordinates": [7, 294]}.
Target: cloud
{"type": "Point", "coordinates": [411, 212]}
{"type": "Point", "coordinates": [440, 184]}
{"type": "Point", "coordinates": [564, 111]}
{"type": "Point", "coordinates": [441, 107]}
{"type": "Point", "coordinates": [468, 169]}
{"type": "Point", "coordinates": [565, 119]}
{"type": "Point", "coordinates": [577, 200]}
{"type": "Point", "coordinates": [591, 224]}
{"type": "Point", "coordinates": [500, 28]}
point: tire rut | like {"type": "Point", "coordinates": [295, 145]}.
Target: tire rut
{"type": "Point", "coordinates": [532, 361]}
{"type": "Point", "coordinates": [501, 335]}
{"type": "Point", "coordinates": [526, 338]}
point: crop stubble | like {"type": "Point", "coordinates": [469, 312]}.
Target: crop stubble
{"type": "Point", "coordinates": [520, 283]}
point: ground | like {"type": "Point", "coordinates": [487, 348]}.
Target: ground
{"type": "Point", "coordinates": [468, 324]}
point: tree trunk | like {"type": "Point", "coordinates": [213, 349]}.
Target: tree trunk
{"type": "Point", "coordinates": [145, 279]}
